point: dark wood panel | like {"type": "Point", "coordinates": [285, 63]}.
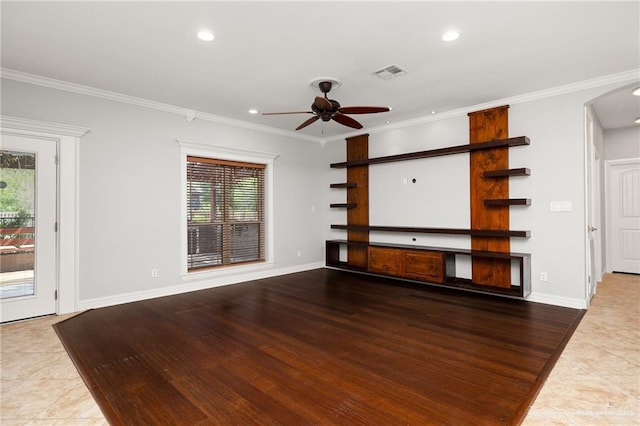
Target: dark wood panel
{"type": "Point", "coordinates": [424, 266]}
{"type": "Point", "coordinates": [318, 347]}
{"type": "Point", "coordinates": [358, 149]}
{"type": "Point", "coordinates": [383, 260]}
{"type": "Point", "coordinates": [488, 125]}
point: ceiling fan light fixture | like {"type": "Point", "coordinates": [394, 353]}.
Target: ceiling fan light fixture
{"type": "Point", "coordinates": [205, 35]}
{"type": "Point", "coordinates": [335, 83]}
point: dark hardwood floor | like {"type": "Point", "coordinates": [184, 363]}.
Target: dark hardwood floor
{"type": "Point", "coordinates": [318, 347]}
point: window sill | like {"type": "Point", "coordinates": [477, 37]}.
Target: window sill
{"type": "Point", "coordinates": [226, 271]}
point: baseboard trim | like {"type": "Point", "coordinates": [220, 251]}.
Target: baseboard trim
{"type": "Point", "coordinates": [118, 299]}
{"type": "Point", "coordinates": [550, 299]}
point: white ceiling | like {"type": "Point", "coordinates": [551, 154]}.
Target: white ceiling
{"type": "Point", "coordinates": [266, 53]}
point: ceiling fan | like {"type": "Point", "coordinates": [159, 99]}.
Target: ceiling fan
{"type": "Point", "coordinates": [329, 109]}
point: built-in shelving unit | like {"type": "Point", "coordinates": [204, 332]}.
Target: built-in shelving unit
{"type": "Point", "coordinates": [492, 262]}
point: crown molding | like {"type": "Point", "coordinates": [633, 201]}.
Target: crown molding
{"type": "Point", "coordinates": [623, 77]}
{"type": "Point", "coordinates": [188, 113]}
{"type": "Point", "coordinates": [15, 123]}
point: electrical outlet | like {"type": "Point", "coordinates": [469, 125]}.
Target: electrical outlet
{"type": "Point", "coordinates": [154, 273]}
{"type": "Point", "coordinates": [543, 277]}
{"type": "Point", "coordinates": [299, 253]}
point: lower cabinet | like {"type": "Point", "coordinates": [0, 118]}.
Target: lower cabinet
{"type": "Point", "coordinates": [411, 264]}
{"type": "Point", "coordinates": [385, 261]}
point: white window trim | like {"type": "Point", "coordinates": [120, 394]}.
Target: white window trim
{"type": "Point", "coordinates": [207, 150]}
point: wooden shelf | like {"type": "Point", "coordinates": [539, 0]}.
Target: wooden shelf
{"type": "Point", "coordinates": [508, 202]}
{"type": "Point", "coordinates": [467, 252]}
{"type": "Point", "coordinates": [344, 185]}
{"type": "Point", "coordinates": [517, 141]}
{"type": "Point", "coordinates": [450, 231]}
{"type": "Point", "coordinates": [507, 173]}
{"type": "Point", "coordinates": [344, 205]}
{"type": "Point", "coordinates": [523, 261]}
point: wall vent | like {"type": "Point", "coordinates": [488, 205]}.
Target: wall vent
{"type": "Point", "coordinates": [390, 71]}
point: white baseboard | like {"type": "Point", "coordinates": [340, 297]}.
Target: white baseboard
{"type": "Point", "coordinates": [550, 299]}
{"type": "Point", "coordinates": [101, 302]}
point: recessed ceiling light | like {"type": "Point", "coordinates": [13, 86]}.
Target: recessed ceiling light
{"type": "Point", "coordinates": [637, 120]}
{"type": "Point", "coordinates": [636, 92]}
{"type": "Point", "coordinates": [253, 111]}
{"type": "Point", "coordinates": [433, 111]}
{"type": "Point", "coordinates": [450, 35]}
{"type": "Point", "coordinates": [205, 35]}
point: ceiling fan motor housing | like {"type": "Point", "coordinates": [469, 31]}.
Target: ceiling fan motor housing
{"type": "Point", "coordinates": [325, 86]}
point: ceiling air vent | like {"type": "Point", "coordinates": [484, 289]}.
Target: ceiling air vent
{"type": "Point", "coordinates": [389, 72]}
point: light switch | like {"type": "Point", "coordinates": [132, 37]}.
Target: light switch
{"type": "Point", "coordinates": [561, 206]}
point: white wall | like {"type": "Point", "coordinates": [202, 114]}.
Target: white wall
{"type": "Point", "coordinates": [622, 143]}
{"type": "Point", "coordinates": [130, 191]}
{"type": "Point", "coordinates": [440, 197]}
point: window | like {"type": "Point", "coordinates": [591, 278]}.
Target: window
{"type": "Point", "coordinates": [225, 212]}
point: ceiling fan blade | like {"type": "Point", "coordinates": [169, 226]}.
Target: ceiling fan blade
{"type": "Point", "coordinates": [292, 112]}
{"type": "Point", "coordinates": [362, 109]}
{"type": "Point", "coordinates": [309, 121]}
{"type": "Point", "coordinates": [323, 103]}
{"type": "Point", "coordinates": [347, 121]}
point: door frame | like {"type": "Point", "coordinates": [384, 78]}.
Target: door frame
{"type": "Point", "coordinates": [608, 165]}
{"type": "Point", "coordinates": [67, 140]}
{"type": "Point", "coordinates": [592, 200]}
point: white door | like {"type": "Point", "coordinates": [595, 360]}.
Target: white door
{"type": "Point", "coordinates": [624, 216]}
{"type": "Point", "coordinates": [28, 262]}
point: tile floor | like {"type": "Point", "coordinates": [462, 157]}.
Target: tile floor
{"type": "Point", "coordinates": [595, 382]}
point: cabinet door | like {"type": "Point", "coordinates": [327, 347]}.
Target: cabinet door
{"type": "Point", "coordinates": [385, 261]}
{"type": "Point", "coordinates": [425, 266]}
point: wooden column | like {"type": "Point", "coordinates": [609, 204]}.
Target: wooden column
{"type": "Point", "coordinates": [487, 125]}
{"type": "Point", "coordinates": [358, 149]}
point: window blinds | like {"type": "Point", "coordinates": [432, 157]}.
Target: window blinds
{"type": "Point", "coordinates": [225, 213]}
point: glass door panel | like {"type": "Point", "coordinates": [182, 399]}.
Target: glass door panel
{"type": "Point", "coordinates": [17, 223]}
